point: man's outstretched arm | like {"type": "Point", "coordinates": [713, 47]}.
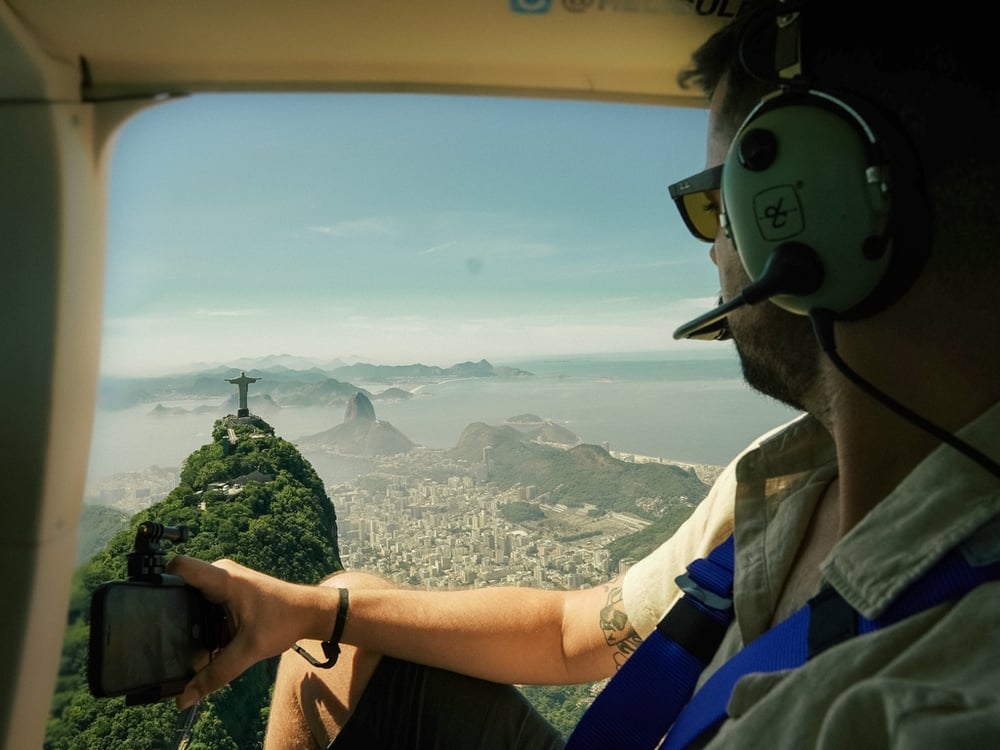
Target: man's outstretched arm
{"type": "Point", "coordinates": [510, 635]}
{"type": "Point", "coordinates": [499, 634]}
{"type": "Point", "coordinates": [507, 635]}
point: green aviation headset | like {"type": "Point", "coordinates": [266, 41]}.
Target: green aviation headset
{"type": "Point", "coordinates": [826, 185]}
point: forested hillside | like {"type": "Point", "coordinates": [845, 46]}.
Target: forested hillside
{"type": "Point", "coordinates": [98, 524]}
{"type": "Point", "coordinates": [585, 474]}
{"type": "Point", "coordinates": [256, 501]}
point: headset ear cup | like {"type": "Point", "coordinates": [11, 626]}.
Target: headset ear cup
{"type": "Point", "coordinates": [806, 168]}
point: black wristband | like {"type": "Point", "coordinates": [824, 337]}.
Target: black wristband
{"type": "Point", "coordinates": [331, 648]}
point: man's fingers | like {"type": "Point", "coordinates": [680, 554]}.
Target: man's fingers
{"type": "Point", "coordinates": [190, 569]}
{"type": "Point", "coordinates": [210, 579]}
{"type": "Point", "coordinates": [258, 607]}
{"type": "Point", "coordinates": [227, 665]}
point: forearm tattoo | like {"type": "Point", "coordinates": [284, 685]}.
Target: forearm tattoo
{"type": "Point", "coordinates": [618, 631]}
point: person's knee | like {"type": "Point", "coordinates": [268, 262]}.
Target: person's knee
{"type": "Point", "coordinates": [323, 699]}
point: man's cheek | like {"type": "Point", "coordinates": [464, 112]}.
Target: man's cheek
{"type": "Point", "coordinates": [732, 275]}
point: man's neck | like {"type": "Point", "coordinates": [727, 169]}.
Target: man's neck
{"type": "Point", "coordinates": [876, 450]}
{"type": "Point", "coordinates": [877, 447]}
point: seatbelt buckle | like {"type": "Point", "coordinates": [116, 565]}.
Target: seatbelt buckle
{"type": "Point", "coordinates": [701, 594]}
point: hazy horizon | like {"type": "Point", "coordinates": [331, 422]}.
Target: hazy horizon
{"type": "Point", "coordinates": [298, 362]}
{"type": "Point", "coordinates": [696, 410]}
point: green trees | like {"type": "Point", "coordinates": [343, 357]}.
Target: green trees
{"type": "Point", "coordinates": [636, 546]}
{"type": "Point", "coordinates": [520, 512]}
{"type": "Point", "coordinates": [258, 502]}
{"type": "Point", "coordinates": [99, 523]}
{"type": "Point", "coordinates": [562, 705]}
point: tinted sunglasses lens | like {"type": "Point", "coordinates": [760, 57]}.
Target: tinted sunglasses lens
{"type": "Point", "coordinates": [699, 211]}
{"type": "Point", "coordinates": [700, 215]}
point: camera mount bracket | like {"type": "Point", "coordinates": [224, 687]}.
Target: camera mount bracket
{"type": "Point", "coordinates": [147, 562]}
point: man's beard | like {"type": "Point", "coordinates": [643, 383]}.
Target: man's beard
{"type": "Point", "coordinates": [778, 354]}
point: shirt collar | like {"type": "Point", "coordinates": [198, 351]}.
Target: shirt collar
{"type": "Point", "coordinates": [778, 483]}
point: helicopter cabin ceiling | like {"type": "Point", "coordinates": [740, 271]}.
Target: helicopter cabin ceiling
{"type": "Point", "coordinates": [617, 50]}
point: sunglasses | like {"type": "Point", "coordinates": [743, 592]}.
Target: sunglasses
{"type": "Point", "coordinates": [700, 212]}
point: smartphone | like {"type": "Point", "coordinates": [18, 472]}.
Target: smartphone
{"type": "Point", "coordinates": [146, 639]}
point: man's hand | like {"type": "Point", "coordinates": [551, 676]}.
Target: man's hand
{"type": "Point", "coordinates": [267, 617]}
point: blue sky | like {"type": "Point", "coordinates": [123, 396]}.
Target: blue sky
{"type": "Point", "coordinates": [397, 229]}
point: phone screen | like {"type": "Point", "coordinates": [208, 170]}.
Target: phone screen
{"type": "Point", "coordinates": [144, 639]}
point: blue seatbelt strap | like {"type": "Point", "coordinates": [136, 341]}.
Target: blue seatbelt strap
{"type": "Point", "coordinates": [826, 620]}
{"type": "Point", "coordinates": [789, 644]}
{"type": "Point", "coordinates": [638, 706]}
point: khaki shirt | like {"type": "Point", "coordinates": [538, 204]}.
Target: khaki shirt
{"type": "Point", "coordinates": [931, 681]}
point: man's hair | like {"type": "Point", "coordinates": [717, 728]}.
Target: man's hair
{"type": "Point", "coordinates": [932, 68]}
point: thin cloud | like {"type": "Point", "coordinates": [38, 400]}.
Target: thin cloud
{"type": "Point", "coordinates": [438, 248]}
{"type": "Point", "coordinates": [354, 228]}
{"type": "Point", "coordinates": [226, 313]}
{"type": "Point", "coordinates": [603, 267]}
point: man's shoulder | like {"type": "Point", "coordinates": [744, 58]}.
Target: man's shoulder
{"type": "Point", "coordinates": [648, 588]}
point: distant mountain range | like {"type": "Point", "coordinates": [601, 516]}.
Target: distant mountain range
{"type": "Point", "coordinates": [271, 361]}
{"type": "Point", "coordinates": [286, 386]}
{"type": "Point", "coordinates": [395, 373]}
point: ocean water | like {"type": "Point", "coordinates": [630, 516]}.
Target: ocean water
{"type": "Point", "coordinates": [691, 410]}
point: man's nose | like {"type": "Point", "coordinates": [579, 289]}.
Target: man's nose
{"type": "Point", "coordinates": [711, 254]}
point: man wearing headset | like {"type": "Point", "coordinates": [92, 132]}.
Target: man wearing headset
{"type": "Point", "coordinates": [852, 219]}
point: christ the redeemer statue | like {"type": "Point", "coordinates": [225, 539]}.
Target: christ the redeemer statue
{"type": "Point", "coordinates": [242, 382]}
